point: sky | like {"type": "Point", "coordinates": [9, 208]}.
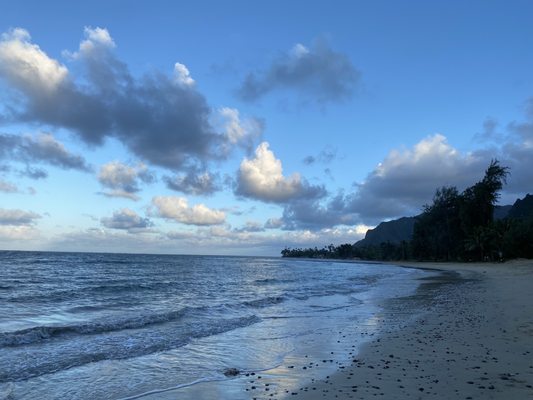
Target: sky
{"type": "Point", "coordinates": [240, 128]}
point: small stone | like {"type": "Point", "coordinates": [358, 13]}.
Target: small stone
{"type": "Point", "coordinates": [231, 372]}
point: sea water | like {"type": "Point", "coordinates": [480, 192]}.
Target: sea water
{"type": "Point", "coordinates": [117, 326]}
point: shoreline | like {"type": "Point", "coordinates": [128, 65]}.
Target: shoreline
{"type": "Point", "coordinates": [475, 342]}
{"type": "Point", "coordinates": [466, 333]}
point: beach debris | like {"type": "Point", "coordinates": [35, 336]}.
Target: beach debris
{"type": "Point", "coordinates": [231, 372]}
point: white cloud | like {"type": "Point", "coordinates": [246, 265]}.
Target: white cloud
{"type": "Point", "coordinates": [299, 50]}
{"type": "Point", "coordinates": [178, 209]}
{"type": "Point", "coordinates": [262, 178]}
{"type": "Point", "coordinates": [237, 130]}
{"type": "Point", "coordinates": [182, 75]}
{"type": "Point", "coordinates": [96, 40]}
{"type": "Point", "coordinates": [96, 36]}
{"type": "Point", "coordinates": [26, 66]}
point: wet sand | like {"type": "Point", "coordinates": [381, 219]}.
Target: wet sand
{"type": "Point", "coordinates": [475, 341]}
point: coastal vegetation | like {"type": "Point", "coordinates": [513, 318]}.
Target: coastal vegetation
{"type": "Point", "coordinates": [456, 226]}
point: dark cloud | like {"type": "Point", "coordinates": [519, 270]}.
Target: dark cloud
{"type": "Point", "coordinates": [35, 173]}
{"type": "Point", "coordinates": [194, 183]}
{"type": "Point", "coordinates": [519, 158]}
{"type": "Point", "coordinates": [126, 219]}
{"type": "Point", "coordinates": [274, 223]}
{"type": "Point", "coordinates": [490, 131]}
{"type": "Point", "coordinates": [17, 217]}
{"type": "Point", "coordinates": [406, 180]}
{"type": "Point", "coordinates": [124, 180]}
{"type": "Point", "coordinates": [313, 215]}
{"type": "Point", "coordinates": [309, 160]}
{"type": "Point", "coordinates": [43, 148]}
{"type": "Point", "coordinates": [326, 156]}
{"type": "Point", "coordinates": [319, 72]}
{"type": "Point", "coordinates": [162, 119]}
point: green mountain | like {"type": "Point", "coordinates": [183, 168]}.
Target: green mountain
{"type": "Point", "coordinates": [522, 209]}
{"type": "Point", "coordinates": [394, 231]}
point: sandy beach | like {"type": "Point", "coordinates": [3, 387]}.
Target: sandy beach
{"type": "Point", "coordinates": [475, 342]}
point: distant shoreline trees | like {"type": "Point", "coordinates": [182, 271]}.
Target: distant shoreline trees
{"type": "Point", "coordinates": [455, 227]}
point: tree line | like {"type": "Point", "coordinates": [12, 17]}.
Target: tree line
{"type": "Point", "coordinates": [454, 227]}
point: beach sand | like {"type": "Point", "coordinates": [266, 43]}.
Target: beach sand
{"type": "Point", "coordinates": [475, 342]}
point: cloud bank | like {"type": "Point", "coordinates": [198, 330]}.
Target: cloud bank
{"type": "Point", "coordinates": [17, 217]}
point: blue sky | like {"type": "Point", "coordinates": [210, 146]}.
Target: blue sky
{"type": "Point", "coordinates": [243, 127]}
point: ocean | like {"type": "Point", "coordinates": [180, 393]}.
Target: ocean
{"type": "Point", "coordinates": [123, 326]}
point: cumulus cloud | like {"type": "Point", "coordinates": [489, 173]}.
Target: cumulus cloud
{"type": "Point", "coordinates": [178, 210]}
{"type": "Point", "coordinates": [42, 148]}
{"type": "Point", "coordinates": [319, 71]}
{"type": "Point", "coordinates": [182, 75]}
{"type": "Point", "coordinates": [194, 183]}
{"type": "Point", "coordinates": [407, 179]}
{"type": "Point", "coordinates": [162, 118]}
{"type": "Point", "coordinates": [27, 67]}
{"type": "Point", "coordinates": [126, 219]}
{"type": "Point", "coordinates": [123, 180]}
{"type": "Point", "coordinates": [262, 178]}
{"type": "Point", "coordinates": [239, 131]}
{"type": "Point", "coordinates": [15, 217]}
